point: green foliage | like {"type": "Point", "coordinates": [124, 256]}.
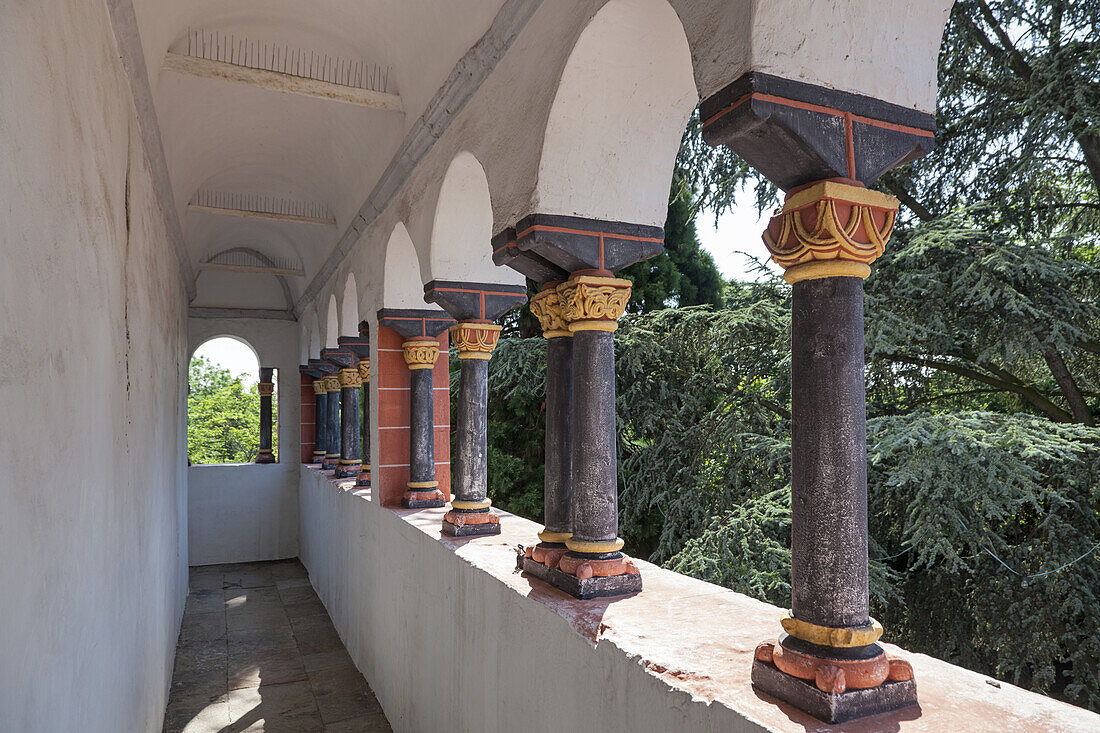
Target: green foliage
{"type": "Point", "coordinates": [223, 417]}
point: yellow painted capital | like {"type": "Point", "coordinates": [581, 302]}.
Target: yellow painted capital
{"type": "Point", "coordinates": [589, 302]}
{"type": "Point", "coordinates": [475, 340]}
{"type": "Point", "coordinates": [420, 354]}
{"type": "Point", "coordinates": [832, 636]}
{"type": "Point", "coordinates": [830, 222]}
{"type": "Point", "coordinates": [546, 305]}
{"type": "Point", "coordinates": [332, 383]}
{"type": "Point", "coordinates": [364, 371]}
{"type": "Point", "coordinates": [349, 377]}
{"type": "Point", "coordinates": [319, 386]}
{"type": "Point", "coordinates": [266, 389]}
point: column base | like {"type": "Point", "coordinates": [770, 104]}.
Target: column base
{"type": "Point", "coordinates": [428, 499]}
{"type": "Point", "coordinates": [539, 560]}
{"type": "Point", "coordinates": [833, 690]}
{"type": "Point", "coordinates": [347, 470]}
{"type": "Point", "coordinates": [363, 480]}
{"type": "Point", "coordinates": [595, 576]}
{"type": "Point", "coordinates": [265, 458]}
{"type": "Point", "coordinates": [470, 523]}
{"type": "Point", "coordinates": [330, 463]}
{"type": "Point", "coordinates": [318, 458]}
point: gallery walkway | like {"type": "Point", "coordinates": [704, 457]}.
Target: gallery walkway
{"type": "Point", "coordinates": [258, 652]}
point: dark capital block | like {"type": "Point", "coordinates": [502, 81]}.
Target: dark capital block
{"type": "Point", "coordinates": [416, 322]}
{"type": "Point", "coordinates": [578, 243]}
{"type": "Point", "coordinates": [321, 368]}
{"type": "Point", "coordinates": [340, 358]}
{"type": "Point", "coordinates": [468, 301]}
{"type": "Point", "coordinates": [507, 252]}
{"type": "Point", "coordinates": [832, 707]}
{"type": "Point", "coordinates": [358, 345]}
{"type": "Point", "coordinates": [796, 133]}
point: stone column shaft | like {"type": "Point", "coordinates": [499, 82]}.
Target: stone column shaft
{"type": "Point", "coordinates": [364, 437]}
{"type": "Point", "coordinates": [332, 423]}
{"type": "Point", "coordinates": [423, 492]}
{"type": "Point", "coordinates": [350, 459]}
{"type": "Point", "coordinates": [266, 388]}
{"type": "Point", "coordinates": [470, 515]}
{"type": "Point", "coordinates": [320, 420]}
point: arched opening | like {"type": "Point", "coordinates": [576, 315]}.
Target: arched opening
{"type": "Point", "coordinates": [332, 324]}
{"type": "Point", "coordinates": [402, 286]}
{"type": "Point", "coordinates": [223, 403]}
{"type": "Point", "coordinates": [349, 308]}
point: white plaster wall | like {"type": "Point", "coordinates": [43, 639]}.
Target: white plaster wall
{"type": "Point", "coordinates": [242, 512]}
{"type": "Point", "coordinates": [92, 350]}
{"type": "Point", "coordinates": [248, 512]}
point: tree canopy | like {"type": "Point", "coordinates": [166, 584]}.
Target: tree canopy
{"type": "Point", "coordinates": [223, 416]}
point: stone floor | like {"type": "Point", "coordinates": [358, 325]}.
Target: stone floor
{"type": "Point", "coordinates": [258, 652]}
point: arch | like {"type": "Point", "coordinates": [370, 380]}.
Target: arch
{"type": "Point", "coordinates": [267, 261]}
{"type": "Point", "coordinates": [349, 308]}
{"type": "Point", "coordinates": [314, 335]}
{"type": "Point", "coordinates": [401, 285]}
{"type": "Point", "coordinates": [241, 339]}
{"type": "Point", "coordinates": [332, 324]}
{"type": "Point", "coordinates": [462, 228]}
{"type": "Point", "coordinates": [619, 112]}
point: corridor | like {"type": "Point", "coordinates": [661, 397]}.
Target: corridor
{"type": "Point", "coordinates": [258, 652]}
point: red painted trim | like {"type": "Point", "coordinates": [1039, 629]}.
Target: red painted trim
{"type": "Point", "coordinates": [587, 233]}
{"type": "Point", "coordinates": [818, 108]}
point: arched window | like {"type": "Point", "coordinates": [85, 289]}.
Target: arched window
{"type": "Point", "coordinates": [223, 403]}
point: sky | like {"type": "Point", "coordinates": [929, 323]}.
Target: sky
{"type": "Point", "coordinates": [233, 355]}
{"type": "Point", "coordinates": [737, 232]}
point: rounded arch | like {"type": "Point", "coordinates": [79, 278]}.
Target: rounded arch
{"type": "Point", "coordinates": [401, 285]}
{"type": "Point", "coordinates": [207, 338]}
{"type": "Point", "coordinates": [314, 335]}
{"type": "Point", "coordinates": [349, 308]}
{"type": "Point", "coordinates": [332, 324]}
{"type": "Point", "coordinates": [462, 228]}
{"type": "Point", "coordinates": [617, 117]}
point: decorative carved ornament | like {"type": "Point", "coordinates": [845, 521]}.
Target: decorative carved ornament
{"type": "Point", "coordinates": [830, 229]}
{"type": "Point", "coordinates": [349, 378]}
{"type": "Point", "coordinates": [332, 383]}
{"type": "Point", "coordinates": [591, 303]}
{"type": "Point", "coordinates": [420, 354]}
{"type": "Point", "coordinates": [546, 305]}
{"type": "Point", "coordinates": [475, 340]}
{"type": "Point", "coordinates": [266, 389]}
{"type": "Point", "coordinates": [364, 371]}
{"type": "Point", "coordinates": [319, 386]}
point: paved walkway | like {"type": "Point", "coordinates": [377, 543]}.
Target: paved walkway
{"type": "Point", "coordinates": [258, 652]}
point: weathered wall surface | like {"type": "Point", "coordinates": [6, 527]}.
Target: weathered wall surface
{"type": "Point", "coordinates": [92, 487]}
{"type": "Point", "coordinates": [248, 512]}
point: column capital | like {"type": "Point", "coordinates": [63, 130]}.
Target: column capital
{"type": "Point", "coordinates": [319, 386]}
{"type": "Point", "coordinates": [364, 370]}
{"type": "Point", "coordinates": [475, 340]}
{"type": "Point", "coordinates": [266, 389]}
{"type": "Point", "coordinates": [420, 354]}
{"type": "Point", "coordinates": [830, 229]}
{"type": "Point", "coordinates": [593, 302]}
{"type": "Point", "coordinates": [332, 383]}
{"type": "Point", "coordinates": [546, 305]}
{"type": "Point", "coordinates": [349, 377]}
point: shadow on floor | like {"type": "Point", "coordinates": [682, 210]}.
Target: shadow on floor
{"type": "Point", "coordinates": [258, 652]}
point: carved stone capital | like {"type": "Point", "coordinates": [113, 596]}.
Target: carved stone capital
{"type": "Point", "coordinates": [475, 340]}
{"type": "Point", "coordinates": [332, 383]}
{"type": "Point", "coordinates": [593, 303]}
{"type": "Point", "coordinates": [364, 370]}
{"type": "Point", "coordinates": [830, 229]}
{"type": "Point", "coordinates": [546, 305]}
{"type": "Point", "coordinates": [420, 354]}
{"type": "Point", "coordinates": [266, 389]}
{"type": "Point", "coordinates": [349, 378]}
{"type": "Point", "coordinates": [319, 386]}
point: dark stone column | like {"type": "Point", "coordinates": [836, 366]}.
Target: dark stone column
{"type": "Point", "coordinates": [363, 480]}
{"type": "Point", "coordinates": [592, 301]}
{"type": "Point", "coordinates": [423, 491]}
{"type": "Point", "coordinates": [558, 466]}
{"type": "Point", "coordinates": [332, 423]}
{"type": "Point", "coordinates": [470, 513]}
{"type": "Point", "coordinates": [828, 662]}
{"type": "Point", "coordinates": [350, 460]}
{"type": "Point", "coordinates": [266, 388]}
{"type": "Point", "coordinates": [320, 395]}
